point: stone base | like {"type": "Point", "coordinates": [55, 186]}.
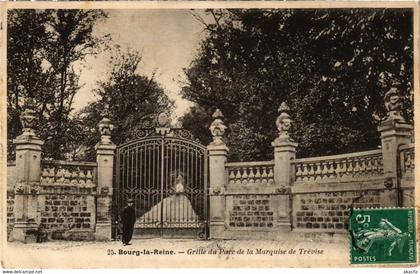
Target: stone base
{"type": "Point", "coordinates": [389, 198]}
{"type": "Point", "coordinates": [24, 232]}
{"type": "Point", "coordinates": [284, 225]}
{"type": "Point", "coordinates": [103, 232]}
{"type": "Point", "coordinates": [217, 230]}
{"type": "Point", "coordinates": [74, 235]}
{"type": "Point", "coordinates": [278, 234]}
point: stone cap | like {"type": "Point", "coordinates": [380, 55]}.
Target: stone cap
{"type": "Point", "coordinates": [105, 147]}
{"type": "Point", "coordinates": [28, 143]}
{"type": "Point", "coordinates": [283, 142]}
{"type": "Point", "coordinates": [394, 125]}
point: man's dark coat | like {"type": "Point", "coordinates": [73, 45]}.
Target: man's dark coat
{"type": "Point", "coordinates": [128, 218]}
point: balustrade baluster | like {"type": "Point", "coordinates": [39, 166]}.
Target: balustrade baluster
{"type": "Point", "coordinates": [244, 176]}
{"type": "Point", "coordinates": [67, 176]}
{"type": "Point", "coordinates": [270, 175]}
{"type": "Point", "coordinates": [298, 173]}
{"type": "Point", "coordinates": [349, 169]}
{"type": "Point", "coordinates": [81, 177]}
{"type": "Point", "coordinates": [238, 176]}
{"type": "Point", "coordinates": [74, 177]}
{"type": "Point", "coordinates": [380, 166]}
{"type": "Point", "coordinates": [89, 177]}
{"type": "Point", "coordinates": [59, 176]}
{"type": "Point", "coordinates": [45, 173]}
{"type": "Point", "coordinates": [264, 176]}
{"type": "Point", "coordinates": [324, 171]}
{"type": "Point", "coordinates": [258, 176]}
{"type": "Point", "coordinates": [356, 169]}
{"type": "Point", "coordinates": [59, 173]}
{"type": "Point", "coordinates": [363, 166]}
{"type": "Point", "coordinates": [317, 174]}
{"type": "Point", "coordinates": [305, 172]}
{"type": "Point", "coordinates": [44, 176]}
{"type": "Point", "coordinates": [342, 168]}
{"type": "Point", "coordinates": [311, 173]}
{"type": "Point", "coordinates": [337, 170]}
{"type": "Point", "coordinates": [231, 176]}
{"type": "Point", "coordinates": [368, 166]}
{"type": "Point", "coordinates": [375, 166]}
{"type": "Point", "coordinates": [251, 175]}
{"type": "Point", "coordinates": [330, 171]}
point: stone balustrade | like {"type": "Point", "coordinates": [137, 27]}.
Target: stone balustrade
{"type": "Point", "coordinates": [250, 173]}
{"type": "Point", "coordinates": [339, 167]}
{"type": "Point", "coordinates": [68, 173]}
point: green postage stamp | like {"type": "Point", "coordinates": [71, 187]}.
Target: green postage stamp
{"type": "Point", "coordinates": [382, 235]}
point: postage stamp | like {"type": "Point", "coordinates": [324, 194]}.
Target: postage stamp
{"type": "Point", "coordinates": [382, 236]}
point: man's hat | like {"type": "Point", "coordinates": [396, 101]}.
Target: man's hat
{"type": "Point", "coordinates": [130, 201]}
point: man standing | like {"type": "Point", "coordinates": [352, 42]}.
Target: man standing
{"type": "Point", "coordinates": [128, 218]}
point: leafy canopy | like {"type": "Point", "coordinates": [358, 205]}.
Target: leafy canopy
{"type": "Point", "coordinates": [45, 48]}
{"type": "Point", "coordinates": [126, 97]}
{"type": "Point", "coordinates": [332, 67]}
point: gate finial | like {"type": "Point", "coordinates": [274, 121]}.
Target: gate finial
{"type": "Point", "coordinates": [217, 128]}
{"type": "Point", "coordinates": [393, 105]}
{"type": "Point", "coordinates": [284, 122]}
{"type": "Point", "coordinates": [105, 127]}
{"type": "Point", "coordinates": [28, 120]}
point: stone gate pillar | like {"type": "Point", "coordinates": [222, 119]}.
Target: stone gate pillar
{"type": "Point", "coordinates": [284, 153]}
{"type": "Point", "coordinates": [105, 151]}
{"type": "Point", "coordinates": [394, 132]}
{"type": "Point", "coordinates": [28, 175]}
{"type": "Point", "coordinates": [217, 158]}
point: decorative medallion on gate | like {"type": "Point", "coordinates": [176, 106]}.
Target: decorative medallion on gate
{"type": "Point", "coordinates": [164, 170]}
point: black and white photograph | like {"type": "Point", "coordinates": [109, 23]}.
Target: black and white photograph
{"type": "Point", "coordinates": [209, 134]}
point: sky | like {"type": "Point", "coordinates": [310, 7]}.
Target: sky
{"type": "Point", "coordinates": [168, 40]}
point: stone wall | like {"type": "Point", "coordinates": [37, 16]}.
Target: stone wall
{"type": "Point", "coordinates": [68, 216]}
{"type": "Point", "coordinates": [11, 182]}
{"type": "Point", "coordinates": [250, 197]}
{"type": "Point", "coordinates": [322, 193]}
{"type": "Point", "coordinates": [326, 188]}
{"type": "Point", "coordinates": [250, 210]}
{"type": "Point", "coordinates": [330, 210]}
{"type": "Point", "coordinates": [10, 213]}
{"type": "Point", "coordinates": [59, 199]}
{"type": "Point", "coordinates": [407, 159]}
{"type": "Point", "coordinates": [65, 198]}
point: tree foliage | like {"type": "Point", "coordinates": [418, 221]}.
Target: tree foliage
{"type": "Point", "coordinates": [45, 48]}
{"type": "Point", "coordinates": [332, 67]}
{"type": "Point", "coordinates": [126, 97]}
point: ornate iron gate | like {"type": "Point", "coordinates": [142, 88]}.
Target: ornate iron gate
{"type": "Point", "coordinates": [165, 172]}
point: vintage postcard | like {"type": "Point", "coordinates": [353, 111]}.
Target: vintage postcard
{"type": "Point", "coordinates": [209, 134]}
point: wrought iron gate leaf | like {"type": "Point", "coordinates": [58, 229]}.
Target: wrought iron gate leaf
{"type": "Point", "coordinates": [165, 172]}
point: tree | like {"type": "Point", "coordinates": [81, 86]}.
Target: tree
{"type": "Point", "coordinates": [71, 41]}
{"type": "Point", "coordinates": [126, 97]}
{"type": "Point", "coordinates": [44, 47]}
{"type": "Point", "coordinates": [331, 66]}
{"type": "Point", "coordinates": [26, 77]}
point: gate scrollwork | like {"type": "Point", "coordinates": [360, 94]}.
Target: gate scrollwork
{"type": "Point", "coordinates": [164, 170]}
